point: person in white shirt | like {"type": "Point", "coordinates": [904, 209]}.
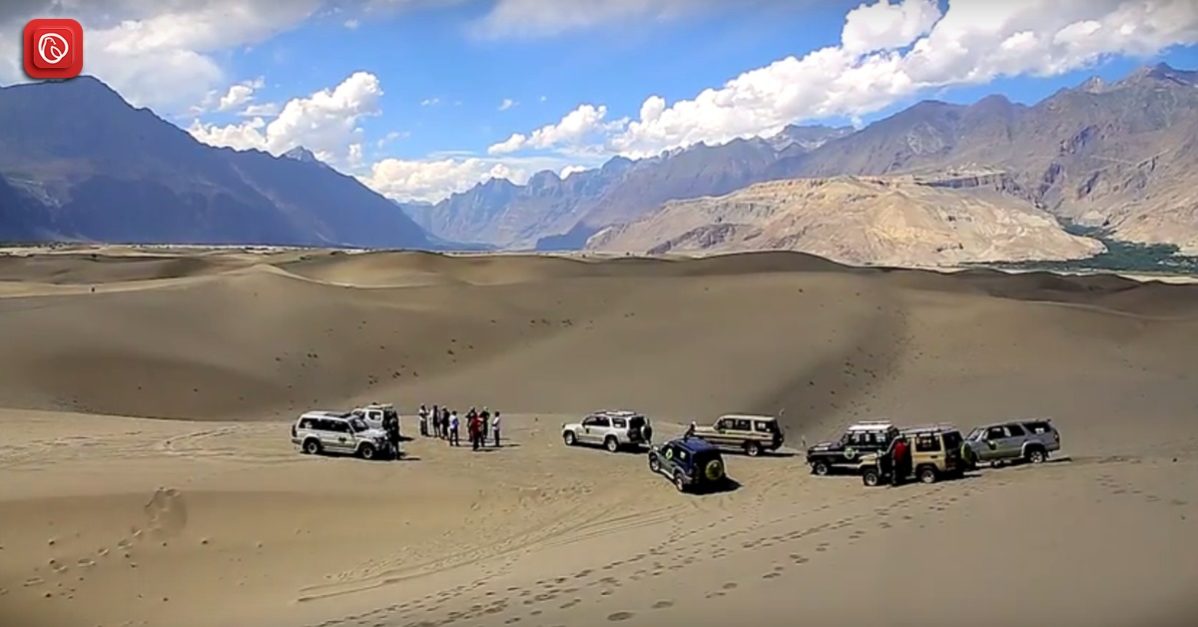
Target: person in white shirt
{"type": "Point", "coordinates": [453, 429]}
{"type": "Point", "coordinates": [495, 428]}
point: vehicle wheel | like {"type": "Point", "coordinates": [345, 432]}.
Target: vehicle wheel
{"type": "Point", "coordinates": [679, 482]}
{"type": "Point", "coordinates": [654, 463]}
{"type": "Point", "coordinates": [752, 449]}
{"type": "Point", "coordinates": [1037, 455]}
{"type": "Point", "coordinates": [821, 468]}
{"type": "Point", "coordinates": [611, 444]}
{"type": "Point", "coordinates": [927, 475]}
{"type": "Point", "coordinates": [367, 452]}
{"type": "Point", "coordinates": [870, 478]}
{"type": "Point", "coordinates": [570, 438]}
{"type": "Point", "coordinates": [312, 447]}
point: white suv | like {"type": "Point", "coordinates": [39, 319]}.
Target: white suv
{"type": "Point", "coordinates": [318, 432]}
{"type": "Point", "coordinates": [612, 429]}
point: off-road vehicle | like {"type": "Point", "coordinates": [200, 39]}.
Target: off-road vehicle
{"type": "Point", "coordinates": [692, 464]}
{"type": "Point", "coordinates": [860, 439]}
{"type": "Point", "coordinates": [317, 432]}
{"type": "Point", "coordinates": [611, 429]}
{"type": "Point", "coordinates": [1017, 440]}
{"type": "Point", "coordinates": [935, 452]}
{"type": "Point", "coordinates": [747, 433]}
{"type": "Point", "coordinates": [375, 413]}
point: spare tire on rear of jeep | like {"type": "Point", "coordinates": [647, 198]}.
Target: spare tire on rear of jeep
{"type": "Point", "coordinates": [713, 470]}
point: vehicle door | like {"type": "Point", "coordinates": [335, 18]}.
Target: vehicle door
{"type": "Point", "coordinates": [724, 436]}
{"type": "Point", "coordinates": [593, 429]}
{"type": "Point", "coordinates": [340, 438]}
{"type": "Point", "coordinates": [619, 428]}
{"type": "Point", "coordinates": [1013, 444]}
{"type": "Point", "coordinates": [742, 430]}
{"type": "Point", "coordinates": [993, 442]}
{"type": "Point", "coordinates": [667, 460]}
{"type": "Point", "coordinates": [1044, 433]}
{"type": "Point", "coordinates": [927, 449]}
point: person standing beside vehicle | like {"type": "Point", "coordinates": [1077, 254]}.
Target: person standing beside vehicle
{"type": "Point", "coordinates": [900, 462]}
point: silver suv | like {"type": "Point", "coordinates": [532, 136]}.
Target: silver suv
{"type": "Point", "coordinates": [1027, 440]}
{"type": "Point", "coordinates": [612, 429]}
{"type": "Point", "coordinates": [318, 432]}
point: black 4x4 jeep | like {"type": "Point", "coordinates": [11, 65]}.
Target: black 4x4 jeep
{"type": "Point", "coordinates": [693, 464]}
{"type": "Point", "coordinates": [859, 439]}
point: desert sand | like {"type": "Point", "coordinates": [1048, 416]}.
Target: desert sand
{"type": "Point", "coordinates": [146, 477]}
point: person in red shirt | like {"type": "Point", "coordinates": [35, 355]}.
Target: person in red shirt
{"type": "Point", "coordinates": [899, 465]}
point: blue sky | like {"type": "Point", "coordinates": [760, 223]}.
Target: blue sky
{"type": "Point", "coordinates": [407, 94]}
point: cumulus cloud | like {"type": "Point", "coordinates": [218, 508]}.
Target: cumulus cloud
{"type": "Point", "coordinates": [326, 122]}
{"type": "Point", "coordinates": [439, 176]}
{"type": "Point", "coordinates": [891, 51]}
{"type": "Point", "coordinates": [158, 54]}
{"type": "Point", "coordinates": [882, 26]}
{"type": "Point", "coordinates": [573, 129]}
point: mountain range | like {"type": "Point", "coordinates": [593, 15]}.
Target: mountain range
{"type": "Point", "coordinates": [78, 163]}
{"type": "Point", "coordinates": [1119, 156]}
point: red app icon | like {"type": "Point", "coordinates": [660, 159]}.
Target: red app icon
{"type": "Point", "coordinates": [53, 48]}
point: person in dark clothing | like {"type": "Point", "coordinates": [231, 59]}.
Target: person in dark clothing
{"type": "Point", "coordinates": [484, 425]}
{"type": "Point", "coordinates": [900, 462]}
{"type": "Point", "coordinates": [445, 423]}
{"type": "Point", "coordinates": [391, 427]}
{"type": "Point", "coordinates": [690, 431]}
{"type": "Point", "coordinates": [436, 419]}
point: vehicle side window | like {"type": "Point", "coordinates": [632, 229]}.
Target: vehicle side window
{"type": "Point", "coordinates": [682, 455]}
{"type": "Point", "coordinates": [995, 433]}
{"type": "Point", "coordinates": [590, 421]}
{"type": "Point", "coordinates": [602, 422]}
{"type": "Point", "coordinates": [726, 423]}
{"type": "Point", "coordinates": [762, 426]}
{"type": "Point", "coordinates": [927, 444]}
{"type": "Point", "coordinates": [619, 423]}
{"type": "Point", "coordinates": [1016, 431]}
{"type": "Point", "coordinates": [340, 426]}
{"type": "Point", "coordinates": [743, 425]}
{"type": "Point", "coordinates": [1038, 427]}
{"type": "Point", "coordinates": [306, 423]}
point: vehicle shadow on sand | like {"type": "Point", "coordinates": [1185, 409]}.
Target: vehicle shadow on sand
{"type": "Point", "coordinates": [727, 485]}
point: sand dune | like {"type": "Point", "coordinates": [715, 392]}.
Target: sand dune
{"type": "Point", "coordinates": [224, 524]}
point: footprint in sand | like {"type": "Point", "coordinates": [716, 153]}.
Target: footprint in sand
{"type": "Point", "coordinates": [619, 616]}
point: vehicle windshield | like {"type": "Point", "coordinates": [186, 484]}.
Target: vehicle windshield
{"type": "Point", "coordinates": [357, 424]}
{"type": "Point", "coordinates": [974, 435]}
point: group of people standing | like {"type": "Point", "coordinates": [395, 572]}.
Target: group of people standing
{"type": "Point", "coordinates": [446, 425]}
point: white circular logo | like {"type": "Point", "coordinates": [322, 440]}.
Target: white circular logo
{"type": "Point", "coordinates": [52, 48]}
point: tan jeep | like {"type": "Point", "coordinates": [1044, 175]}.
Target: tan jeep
{"type": "Point", "coordinates": [935, 452]}
{"type": "Point", "coordinates": [748, 433]}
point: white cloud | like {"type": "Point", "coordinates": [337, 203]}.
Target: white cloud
{"type": "Point", "coordinates": [352, 23]}
{"type": "Point", "coordinates": [268, 109]}
{"type": "Point", "coordinates": [430, 102]}
{"type": "Point", "coordinates": [571, 169]}
{"type": "Point", "coordinates": [573, 129]}
{"type": "Point", "coordinates": [439, 176]}
{"type": "Point", "coordinates": [894, 51]}
{"type": "Point", "coordinates": [239, 94]}
{"type": "Point", "coordinates": [544, 98]}
{"type": "Point", "coordinates": [158, 54]}
{"type": "Point", "coordinates": [507, 103]}
{"type": "Point", "coordinates": [884, 25]}
{"type": "Point", "coordinates": [325, 122]}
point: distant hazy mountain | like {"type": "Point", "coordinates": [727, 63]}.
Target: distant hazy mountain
{"type": "Point", "coordinates": [551, 212]}
{"type": "Point", "coordinates": [78, 163]}
{"type": "Point", "coordinates": [1122, 155]}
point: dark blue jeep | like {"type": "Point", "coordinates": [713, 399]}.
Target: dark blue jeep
{"type": "Point", "coordinates": [693, 464]}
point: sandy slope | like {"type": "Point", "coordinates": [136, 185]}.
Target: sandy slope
{"type": "Point", "coordinates": [212, 518]}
